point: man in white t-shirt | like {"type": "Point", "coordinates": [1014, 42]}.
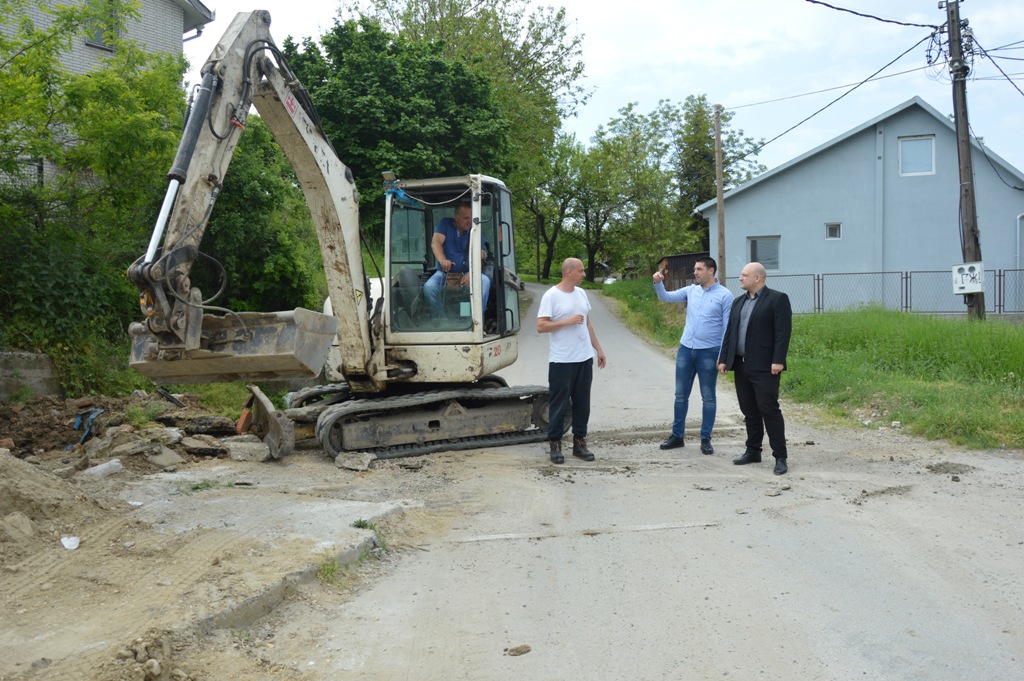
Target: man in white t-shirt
{"type": "Point", "coordinates": [564, 313]}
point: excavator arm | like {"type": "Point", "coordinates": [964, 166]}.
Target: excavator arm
{"type": "Point", "coordinates": [440, 362]}
{"type": "Point", "coordinates": [181, 340]}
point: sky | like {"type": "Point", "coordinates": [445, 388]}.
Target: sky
{"type": "Point", "coordinates": [757, 59]}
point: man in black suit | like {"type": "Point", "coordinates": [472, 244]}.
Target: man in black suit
{"type": "Point", "coordinates": [755, 346]}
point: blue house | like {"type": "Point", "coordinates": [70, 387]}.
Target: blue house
{"type": "Point", "coordinates": [881, 198]}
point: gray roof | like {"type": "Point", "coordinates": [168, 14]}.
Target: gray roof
{"type": "Point", "coordinates": [196, 15]}
{"type": "Point", "coordinates": [913, 101]}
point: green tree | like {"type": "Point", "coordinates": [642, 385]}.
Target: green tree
{"type": "Point", "coordinates": [549, 204]}
{"type": "Point", "coordinates": [261, 233]}
{"type": "Point", "coordinates": [601, 200]}
{"type": "Point", "coordinates": [83, 159]}
{"type": "Point", "coordinates": [33, 79]}
{"type": "Point", "coordinates": [654, 170]}
{"type": "Point", "coordinates": [644, 224]}
{"type": "Point", "coordinates": [125, 120]}
{"type": "Point", "coordinates": [388, 103]}
{"type": "Point", "coordinates": [691, 130]}
{"type": "Point", "coordinates": [527, 53]}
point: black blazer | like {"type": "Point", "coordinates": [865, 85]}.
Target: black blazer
{"type": "Point", "coordinates": [768, 332]}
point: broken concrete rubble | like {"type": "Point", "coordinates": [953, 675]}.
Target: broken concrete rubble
{"type": "Point", "coordinates": [165, 459]}
{"type": "Point", "coordinates": [354, 461]}
{"type": "Point", "coordinates": [44, 431]}
{"type": "Point", "coordinates": [203, 445]}
{"type": "Point", "coordinates": [247, 447]}
{"type": "Point", "coordinates": [206, 425]}
{"type": "Point", "coordinates": [165, 436]}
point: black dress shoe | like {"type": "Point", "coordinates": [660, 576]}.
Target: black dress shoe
{"type": "Point", "coordinates": [748, 457]}
{"type": "Point", "coordinates": [780, 466]}
{"type": "Point", "coordinates": [705, 447]}
{"type": "Point", "coordinates": [672, 442]}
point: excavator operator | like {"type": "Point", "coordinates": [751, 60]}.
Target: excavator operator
{"type": "Point", "coordinates": [450, 245]}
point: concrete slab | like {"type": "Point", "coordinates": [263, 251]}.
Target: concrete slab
{"type": "Point", "coordinates": [19, 370]}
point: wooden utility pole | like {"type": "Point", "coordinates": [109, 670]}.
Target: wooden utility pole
{"type": "Point", "coordinates": [958, 70]}
{"type": "Point", "coordinates": [720, 194]}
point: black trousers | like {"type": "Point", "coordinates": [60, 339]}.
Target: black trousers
{"type": "Point", "coordinates": [758, 395]}
{"type": "Point", "coordinates": [569, 381]}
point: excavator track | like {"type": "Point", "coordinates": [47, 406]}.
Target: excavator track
{"type": "Point", "coordinates": [433, 421]}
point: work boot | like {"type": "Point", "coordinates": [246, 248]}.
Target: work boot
{"type": "Point", "coordinates": [579, 449]}
{"type": "Point", "coordinates": [556, 451]}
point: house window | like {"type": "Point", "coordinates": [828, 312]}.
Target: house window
{"type": "Point", "coordinates": [917, 155]}
{"type": "Point", "coordinates": [97, 32]}
{"type": "Point", "coordinates": [765, 250]}
{"type": "Point", "coordinates": [833, 230]}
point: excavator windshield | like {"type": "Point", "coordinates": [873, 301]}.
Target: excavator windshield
{"type": "Point", "coordinates": [446, 260]}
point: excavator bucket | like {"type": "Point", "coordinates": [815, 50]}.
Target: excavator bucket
{"type": "Point", "coordinates": [248, 346]}
{"type": "Point", "coordinates": [274, 428]}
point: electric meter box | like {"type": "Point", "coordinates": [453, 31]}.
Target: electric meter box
{"type": "Point", "coordinates": [968, 277]}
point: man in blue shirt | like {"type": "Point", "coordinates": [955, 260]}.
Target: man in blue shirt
{"type": "Point", "coordinates": [708, 304]}
{"type": "Point", "coordinates": [450, 245]}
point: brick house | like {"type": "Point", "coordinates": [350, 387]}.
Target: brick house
{"type": "Point", "coordinates": [162, 26]}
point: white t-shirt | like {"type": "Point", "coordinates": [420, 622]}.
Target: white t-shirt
{"type": "Point", "coordinates": [569, 343]}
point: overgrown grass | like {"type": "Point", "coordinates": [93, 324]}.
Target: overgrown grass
{"type": "Point", "coordinates": [224, 399]}
{"type": "Point", "coordinates": [940, 378]}
{"type": "Point", "coordinates": [145, 415]}
{"type": "Point", "coordinates": [95, 366]}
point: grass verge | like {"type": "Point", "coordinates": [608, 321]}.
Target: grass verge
{"type": "Point", "coordinates": [941, 378]}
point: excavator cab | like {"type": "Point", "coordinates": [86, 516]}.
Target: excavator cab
{"type": "Point", "coordinates": [424, 304]}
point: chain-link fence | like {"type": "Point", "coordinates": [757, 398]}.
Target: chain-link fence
{"type": "Point", "coordinates": [842, 291]}
{"type": "Point", "coordinates": [1012, 288]}
{"type": "Point", "coordinates": [801, 289]}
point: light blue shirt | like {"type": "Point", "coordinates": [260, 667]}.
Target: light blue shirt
{"type": "Point", "coordinates": [707, 313]}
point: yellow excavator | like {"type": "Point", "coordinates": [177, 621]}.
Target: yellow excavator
{"type": "Point", "coordinates": [409, 372]}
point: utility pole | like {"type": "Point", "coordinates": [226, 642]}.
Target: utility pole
{"type": "Point", "coordinates": [720, 194]}
{"type": "Point", "coordinates": [958, 70]}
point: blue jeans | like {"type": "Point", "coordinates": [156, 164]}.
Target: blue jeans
{"type": "Point", "coordinates": [702, 364]}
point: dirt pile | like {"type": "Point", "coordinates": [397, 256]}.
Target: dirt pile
{"type": "Point", "coordinates": [37, 509]}
{"type": "Point", "coordinates": [128, 527]}
{"type": "Point", "coordinates": [53, 451]}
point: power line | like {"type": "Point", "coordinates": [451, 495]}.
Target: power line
{"type": "Point", "coordinates": [872, 16]}
{"type": "Point", "coordinates": [1011, 75]}
{"type": "Point", "coordinates": [993, 57]}
{"type": "Point", "coordinates": [984, 152]}
{"type": "Point", "coordinates": [1009, 45]}
{"type": "Point", "coordinates": [794, 127]}
{"type": "Point", "coordinates": [828, 89]}
{"type": "Point", "coordinates": [998, 68]}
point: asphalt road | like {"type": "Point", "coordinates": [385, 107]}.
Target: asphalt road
{"type": "Point", "coordinates": [634, 391]}
{"type": "Point", "coordinates": [878, 557]}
